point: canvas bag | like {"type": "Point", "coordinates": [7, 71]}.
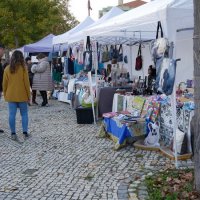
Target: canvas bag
{"type": "Point", "coordinates": [167, 76]}
{"type": "Point", "coordinates": [114, 53]}
{"type": "Point", "coordinates": [105, 55]}
{"type": "Point", "coordinates": [138, 61]}
{"type": "Point", "coordinates": [159, 46]}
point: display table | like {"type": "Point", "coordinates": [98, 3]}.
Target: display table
{"type": "Point", "coordinates": [105, 98]}
{"type": "Point", "coordinates": [122, 132]}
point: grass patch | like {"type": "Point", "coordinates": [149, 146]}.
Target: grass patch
{"type": "Point", "coordinates": [172, 185]}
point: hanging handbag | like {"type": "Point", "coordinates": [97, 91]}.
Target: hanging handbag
{"type": "Point", "coordinates": [167, 76]}
{"type": "Point", "coordinates": [126, 59]}
{"type": "Point", "coordinates": [105, 55]}
{"type": "Point", "coordinates": [138, 61]}
{"type": "Point", "coordinates": [159, 46]}
{"type": "Point", "coordinates": [120, 54]}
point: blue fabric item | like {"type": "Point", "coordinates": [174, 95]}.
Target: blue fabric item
{"type": "Point", "coordinates": [165, 75]}
{"type": "Point", "coordinates": [70, 95]}
{"type": "Point", "coordinates": [78, 67]}
{"type": "Point", "coordinates": [189, 106]}
{"type": "Point", "coordinates": [120, 132]}
{"type": "Point", "coordinates": [169, 77]}
{"type": "Point", "coordinates": [65, 65]}
{"type": "Point", "coordinates": [100, 66]}
{"type": "Point", "coordinates": [12, 106]}
{"type": "Point", "coordinates": [52, 55]}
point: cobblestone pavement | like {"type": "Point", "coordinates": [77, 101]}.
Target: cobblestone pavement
{"type": "Point", "coordinates": [63, 160]}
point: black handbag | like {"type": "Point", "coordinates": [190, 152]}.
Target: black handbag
{"type": "Point", "coordinates": [120, 54]}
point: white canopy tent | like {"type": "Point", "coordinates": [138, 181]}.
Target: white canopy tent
{"type": "Point", "coordinates": [62, 38]}
{"type": "Point", "coordinates": [80, 35]}
{"type": "Point", "coordinates": [141, 22]}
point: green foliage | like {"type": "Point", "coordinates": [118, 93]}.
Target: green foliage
{"type": "Point", "coordinates": [26, 21]}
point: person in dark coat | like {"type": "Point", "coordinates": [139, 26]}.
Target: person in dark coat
{"type": "Point", "coordinates": [31, 74]}
{"type": "Point", "coordinates": [1, 73]}
{"type": "Point", "coordinates": [151, 79]}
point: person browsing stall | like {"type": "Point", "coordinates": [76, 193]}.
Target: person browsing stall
{"type": "Point", "coordinates": [1, 73]}
{"type": "Point", "coordinates": [16, 90]}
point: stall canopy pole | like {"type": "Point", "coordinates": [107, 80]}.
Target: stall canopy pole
{"type": "Point", "coordinates": [91, 93]}
{"type": "Point", "coordinates": [89, 7]}
{"type": "Point", "coordinates": [95, 52]}
{"type": "Point", "coordinates": [131, 62]}
{"type": "Point", "coordinates": [173, 104]}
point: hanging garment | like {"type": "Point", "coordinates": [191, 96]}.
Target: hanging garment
{"type": "Point", "coordinates": [70, 66]}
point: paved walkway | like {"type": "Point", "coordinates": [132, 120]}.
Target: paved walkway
{"type": "Point", "coordinates": [63, 160]}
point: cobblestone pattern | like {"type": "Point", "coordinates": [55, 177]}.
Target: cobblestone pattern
{"type": "Point", "coordinates": [63, 160]}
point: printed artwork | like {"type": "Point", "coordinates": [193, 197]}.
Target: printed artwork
{"type": "Point", "coordinates": [138, 103]}
{"type": "Point", "coordinates": [166, 122]}
{"type": "Point", "coordinates": [155, 106]}
{"type": "Point", "coordinates": [129, 106]}
{"type": "Point", "coordinates": [166, 126]}
{"type": "Point", "coordinates": [146, 112]}
{"type": "Point", "coordinates": [120, 103]}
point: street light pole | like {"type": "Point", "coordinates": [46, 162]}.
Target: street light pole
{"type": "Point", "coordinates": [89, 7]}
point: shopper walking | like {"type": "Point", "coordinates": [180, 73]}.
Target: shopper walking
{"type": "Point", "coordinates": [1, 73]}
{"type": "Point", "coordinates": [42, 80]}
{"type": "Point", "coordinates": [16, 89]}
{"type": "Point", "coordinates": [31, 74]}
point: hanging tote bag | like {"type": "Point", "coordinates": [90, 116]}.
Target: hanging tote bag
{"type": "Point", "coordinates": [167, 76]}
{"type": "Point", "coordinates": [120, 54]}
{"type": "Point", "coordinates": [159, 46]}
{"type": "Point", "coordinates": [114, 53]}
{"type": "Point", "coordinates": [105, 55]}
{"type": "Point", "coordinates": [138, 61]}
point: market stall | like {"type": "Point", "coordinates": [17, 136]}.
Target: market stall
{"type": "Point", "coordinates": [43, 45]}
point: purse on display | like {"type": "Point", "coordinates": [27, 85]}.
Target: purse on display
{"type": "Point", "coordinates": [105, 55]}
{"type": "Point", "coordinates": [126, 59]}
{"type": "Point", "coordinates": [167, 76]}
{"type": "Point", "coordinates": [138, 61]}
{"type": "Point", "coordinates": [120, 54]}
{"type": "Point", "coordinates": [159, 46]}
{"type": "Point", "coordinates": [114, 53]}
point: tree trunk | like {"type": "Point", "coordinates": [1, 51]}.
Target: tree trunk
{"type": "Point", "coordinates": [196, 44]}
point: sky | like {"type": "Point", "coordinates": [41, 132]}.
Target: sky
{"type": "Point", "coordinates": [79, 7]}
